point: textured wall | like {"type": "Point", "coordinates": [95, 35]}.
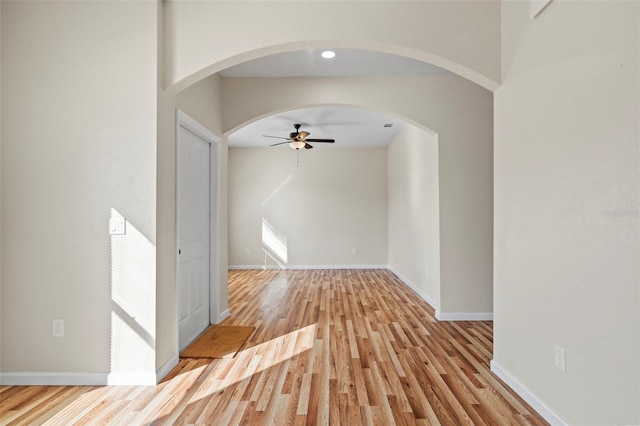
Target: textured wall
{"type": "Point", "coordinates": [414, 210]}
{"type": "Point", "coordinates": [314, 214]}
{"type": "Point", "coordinates": [566, 211]}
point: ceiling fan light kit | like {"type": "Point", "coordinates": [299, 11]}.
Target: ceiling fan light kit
{"type": "Point", "coordinates": [297, 144]}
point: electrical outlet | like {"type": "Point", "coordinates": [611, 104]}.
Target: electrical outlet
{"type": "Point", "coordinates": [58, 328]}
{"type": "Point", "coordinates": [354, 251]}
{"type": "Point", "coordinates": [247, 251]}
{"type": "Point", "coordinates": [559, 358]}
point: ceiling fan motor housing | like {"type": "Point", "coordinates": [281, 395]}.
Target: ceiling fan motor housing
{"type": "Point", "coordinates": [294, 135]}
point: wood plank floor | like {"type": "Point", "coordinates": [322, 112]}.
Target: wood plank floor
{"type": "Point", "coordinates": [331, 347]}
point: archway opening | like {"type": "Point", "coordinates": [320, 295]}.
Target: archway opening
{"type": "Point", "coordinates": [369, 200]}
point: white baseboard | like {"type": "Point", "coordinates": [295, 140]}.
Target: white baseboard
{"type": "Point", "coordinates": [223, 315]}
{"type": "Point", "coordinates": [87, 379]}
{"type": "Point", "coordinates": [464, 316]}
{"type": "Point", "coordinates": [308, 267]}
{"type": "Point", "coordinates": [166, 368]}
{"type": "Point", "coordinates": [132, 379]}
{"type": "Point", "coordinates": [54, 379]}
{"type": "Point", "coordinates": [415, 289]}
{"type": "Point", "coordinates": [527, 395]}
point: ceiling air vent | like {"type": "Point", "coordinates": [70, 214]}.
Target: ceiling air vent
{"type": "Point", "coordinates": [388, 125]}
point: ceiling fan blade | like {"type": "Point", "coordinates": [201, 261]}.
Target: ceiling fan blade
{"type": "Point", "coordinates": [307, 146]}
{"type": "Point", "coordinates": [279, 143]}
{"type": "Point", "coordinates": [321, 140]}
{"type": "Point", "coordinates": [277, 137]}
{"type": "Point", "coordinates": [302, 135]}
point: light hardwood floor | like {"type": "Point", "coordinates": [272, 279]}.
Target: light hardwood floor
{"type": "Point", "coordinates": [344, 347]}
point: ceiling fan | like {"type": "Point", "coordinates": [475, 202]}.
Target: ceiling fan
{"type": "Point", "coordinates": [298, 139]}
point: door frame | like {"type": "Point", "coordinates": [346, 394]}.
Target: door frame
{"type": "Point", "coordinates": [191, 125]}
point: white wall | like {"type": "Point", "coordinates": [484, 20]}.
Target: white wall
{"type": "Point", "coordinates": [316, 213]}
{"type": "Point", "coordinates": [206, 37]}
{"type": "Point", "coordinates": [0, 186]}
{"type": "Point", "coordinates": [566, 211]}
{"type": "Point", "coordinates": [414, 220]}
{"type": "Point", "coordinates": [78, 142]}
{"type": "Point", "coordinates": [460, 112]}
{"type": "Point", "coordinates": [201, 102]}
{"type": "Point", "coordinates": [83, 141]}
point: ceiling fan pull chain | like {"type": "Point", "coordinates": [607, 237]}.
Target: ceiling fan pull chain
{"type": "Point", "coordinates": [298, 155]}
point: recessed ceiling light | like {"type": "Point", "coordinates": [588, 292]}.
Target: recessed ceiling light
{"type": "Point", "coordinates": [328, 54]}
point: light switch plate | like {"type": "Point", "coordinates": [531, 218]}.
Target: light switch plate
{"type": "Point", "coordinates": [117, 225]}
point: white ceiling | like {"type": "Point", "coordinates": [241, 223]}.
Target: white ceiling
{"type": "Point", "coordinates": [347, 63]}
{"type": "Point", "coordinates": [350, 127]}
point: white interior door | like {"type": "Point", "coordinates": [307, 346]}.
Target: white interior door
{"type": "Point", "coordinates": [194, 215]}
